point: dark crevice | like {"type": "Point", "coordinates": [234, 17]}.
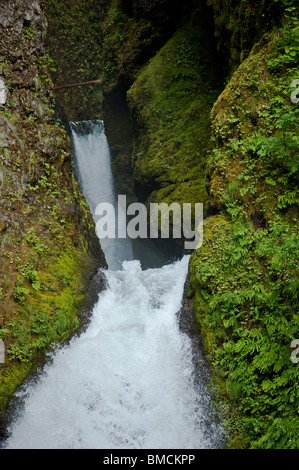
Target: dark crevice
{"type": "Point", "coordinates": [120, 134]}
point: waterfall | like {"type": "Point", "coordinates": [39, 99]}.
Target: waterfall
{"type": "Point", "coordinates": [92, 168]}
{"type": "Point", "coordinates": [127, 382]}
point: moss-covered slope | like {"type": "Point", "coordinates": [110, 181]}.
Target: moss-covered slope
{"type": "Point", "coordinates": [48, 247]}
{"type": "Point", "coordinates": [170, 102]}
{"type": "Point", "coordinates": [245, 277]}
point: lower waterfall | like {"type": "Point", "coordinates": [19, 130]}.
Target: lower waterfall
{"type": "Point", "coordinates": [127, 381]}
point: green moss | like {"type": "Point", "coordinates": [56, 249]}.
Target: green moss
{"type": "Point", "coordinates": [74, 39]}
{"type": "Point", "coordinates": [171, 101]}
{"type": "Point", "coordinates": [244, 277]}
{"type": "Point", "coordinates": [47, 315]}
{"type": "Point", "coordinates": [215, 230]}
{"type": "Point", "coordinates": [255, 129]}
{"type": "Point", "coordinates": [10, 379]}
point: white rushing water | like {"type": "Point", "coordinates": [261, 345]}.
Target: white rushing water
{"type": "Point", "coordinates": [93, 170]}
{"type": "Point", "coordinates": [127, 382]}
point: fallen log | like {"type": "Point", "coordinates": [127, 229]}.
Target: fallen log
{"type": "Point", "coordinates": [76, 84]}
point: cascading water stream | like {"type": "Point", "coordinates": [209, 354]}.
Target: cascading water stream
{"type": "Point", "coordinates": [127, 382]}
{"type": "Point", "coordinates": [92, 168]}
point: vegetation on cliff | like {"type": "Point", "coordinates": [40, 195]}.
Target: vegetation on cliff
{"type": "Point", "coordinates": [245, 277]}
{"type": "Point", "coordinates": [74, 40]}
{"type": "Point", "coordinates": [48, 246]}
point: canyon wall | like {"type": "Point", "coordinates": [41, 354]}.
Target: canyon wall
{"type": "Point", "coordinates": [49, 250]}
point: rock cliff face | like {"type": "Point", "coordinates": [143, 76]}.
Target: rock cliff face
{"type": "Point", "coordinates": [74, 40]}
{"type": "Point", "coordinates": [48, 247]}
{"type": "Point", "coordinates": [239, 25]}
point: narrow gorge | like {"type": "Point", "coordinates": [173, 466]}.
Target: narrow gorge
{"type": "Point", "coordinates": [138, 343]}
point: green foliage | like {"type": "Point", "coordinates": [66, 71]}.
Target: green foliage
{"type": "Point", "coordinates": [246, 274]}
{"type": "Point", "coordinates": [20, 292]}
{"type": "Point", "coordinates": [3, 332]}
{"type": "Point", "coordinates": [29, 33]}
{"type": "Point", "coordinates": [264, 147]}
{"type": "Point", "coordinates": [33, 240]}
{"type": "Point", "coordinates": [32, 276]}
{"type": "Point", "coordinates": [286, 47]}
{"type": "Point", "coordinates": [288, 5]}
{"type": "Point", "coordinates": [248, 289]}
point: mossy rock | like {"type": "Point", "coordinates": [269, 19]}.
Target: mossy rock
{"type": "Point", "coordinates": [170, 101]}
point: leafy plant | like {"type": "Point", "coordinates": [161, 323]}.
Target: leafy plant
{"type": "Point", "coordinates": [20, 292]}
{"type": "Point", "coordinates": [32, 276]}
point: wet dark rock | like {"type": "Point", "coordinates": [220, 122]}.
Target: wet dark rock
{"type": "Point", "coordinates": [188, 325]}
{"type": "Point", "coordinates": [3, 224]}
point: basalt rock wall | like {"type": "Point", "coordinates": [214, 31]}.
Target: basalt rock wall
{"type": "Point", "coordinates": [48, 247]}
